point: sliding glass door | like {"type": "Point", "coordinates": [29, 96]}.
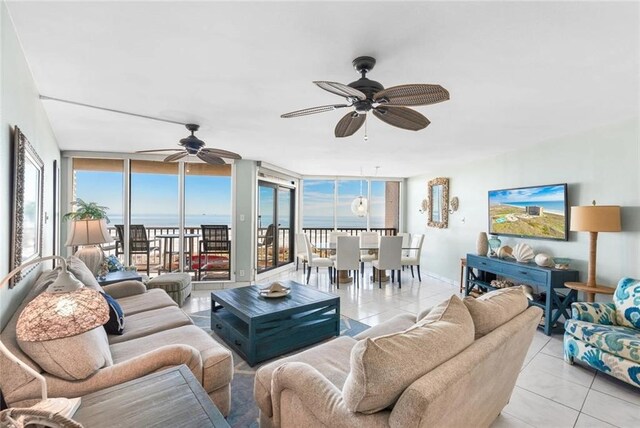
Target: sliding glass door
{"type": "Point", "coordinates": [275, 219]}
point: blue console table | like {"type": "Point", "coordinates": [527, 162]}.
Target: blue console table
{"type": "Point", "coordinates": [482, 270]}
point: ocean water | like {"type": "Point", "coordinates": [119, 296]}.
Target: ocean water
{"type": "Point", "coordinates": [555, 207]}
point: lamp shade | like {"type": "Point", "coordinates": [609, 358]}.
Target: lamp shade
{"type": "Point", "coordinates": [56, 315]}
{"type": "Point", "coordinates": [595, 218]}
{"type": "Point", "coordinates": [88, 232]}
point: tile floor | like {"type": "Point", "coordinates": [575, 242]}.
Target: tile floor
{"type": "Point", "coordinates": [549, 392]}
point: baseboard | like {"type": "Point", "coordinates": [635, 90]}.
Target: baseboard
{"type": "Point", "coordinates": [442, 278]}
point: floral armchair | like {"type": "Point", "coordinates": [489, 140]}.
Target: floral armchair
{"type": "Point", "coordinates": [606, 336]}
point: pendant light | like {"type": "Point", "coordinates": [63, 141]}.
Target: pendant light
{"type": "Point", "coordinates": [360, 205]}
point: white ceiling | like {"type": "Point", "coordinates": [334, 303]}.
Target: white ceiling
{"type": "Point", "coordinates": [518, 73]}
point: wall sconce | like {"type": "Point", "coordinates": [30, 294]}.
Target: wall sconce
{"type": "Point", "coordinates": [454, 204]}
{"type": "Point", "coordinates": [424, 206]}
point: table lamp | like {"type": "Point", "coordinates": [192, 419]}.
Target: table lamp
{"type": "Point", "coordinates": [66, 308]}
{"type": "Point", "coordinates": [594, 219]}
{"type": "Point", "coordinates": [88, 234]}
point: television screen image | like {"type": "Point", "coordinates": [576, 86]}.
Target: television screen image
{"type": "Point", "coordinates": [529, 212]}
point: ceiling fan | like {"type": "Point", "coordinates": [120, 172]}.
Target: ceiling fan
{"type": "Point", "coordinates": [388, 105]}
{"type": "Point", "coordinates": [192, 145]}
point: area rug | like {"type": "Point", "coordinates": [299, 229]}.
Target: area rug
{"type": "Point", "coordinates": [244, 411]}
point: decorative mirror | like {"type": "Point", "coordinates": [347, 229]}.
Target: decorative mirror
{"type": "Point", "coordinates": [28, 194]}
{"type": "Point", "coordinates": [438, 207]}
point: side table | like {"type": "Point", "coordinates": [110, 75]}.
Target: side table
{"type": "Point", "coordinates": [171, 398]}
{"type": "Point", "coordinates": [119, 276]}
{"type": "Point", "coordinates": [590, 291]}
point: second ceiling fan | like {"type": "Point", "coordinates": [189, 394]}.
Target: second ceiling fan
{"type": "Point", "coordinates": [388, 105]}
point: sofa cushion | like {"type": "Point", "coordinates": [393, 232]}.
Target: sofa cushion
{"type": "Point", "coordinates": [71, 358]}
{"type": "Point", "coordinates": [621, 341]}
{"type": "Point", "coordinates": [152, 299]}
{"type": "Point", "coordinates": [383, 367]}
{"type": "Point", "coordinates": [45, 279]}
{"type": "Point", "coordinates": [627, 302]}
{"type": "Point", "coordinates": [82, 273]}
{"type": "Point", "coordinates": [115, 325]}
{"type": "Point", "coordinates": [150, 322]}
{"type": "Point", "coordinates": [217, 362]}
{"type": "Point", "coordinates": [493, 309]}
{"type": "Point", "coordinates": [329, 358]}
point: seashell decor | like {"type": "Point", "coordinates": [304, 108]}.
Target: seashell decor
{"type": "Point", "coordinates": [544, 260]}
{"type": "Point", "coordinates": [523, 253]}
{"type": "Point", "coordinates": [504, 252]}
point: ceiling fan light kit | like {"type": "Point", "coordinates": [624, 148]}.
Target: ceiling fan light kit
{"type": "Point", "coordinates": [365, 95]}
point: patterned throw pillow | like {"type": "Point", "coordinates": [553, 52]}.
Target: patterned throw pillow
{"type": "Point", "coordinates": [627, 301]}
{"type": "Point", "coordinates": [115, 325]}
{"type": "Point", "coordinates": [114, 264]}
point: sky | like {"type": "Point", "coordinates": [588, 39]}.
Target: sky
{"type": "Point", "coordinates": [530, 194]}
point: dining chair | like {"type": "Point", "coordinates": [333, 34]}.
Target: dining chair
{"type": "Point", "coordinates": [413, 259]}
{"type": "Point", "coordinates": [138, 241]}
{"type": "Point", "coordinates": [406, 240]}
{"type": "Point", "coordinates": [389, 257]}
{"type": "Point", "coordinates": [368, 239]}
{"type": "Point", "coordinates": [301, 251]}
{"type": "Point", "coordinates": [333, 240]}
{"type": "Point", "coordinates": [347, 257]}
{"type": "Point", "coordinates": [316, 261]}
{"type": "Point", "coordinates": [214, 241]}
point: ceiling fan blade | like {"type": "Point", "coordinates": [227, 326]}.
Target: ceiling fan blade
{"type": "Point", "coordinates": [210, 159]}
{"type": "Point", "coordinates": [412, 95]}
{"type": "Point", "coordinates": [176, 156]}
{"type": "Point", "coordinates": [159, 150]}
{"type": "Point", "coordinates": [349, 124]}
{"type": "Point", "coordinates": [342, 90]}
{"type": "Point", "coordinates": [401, 117]}
{"type": "Point", "coordinates": [221, 153]}
{"type": "Point", "coordinates": [313, 110]}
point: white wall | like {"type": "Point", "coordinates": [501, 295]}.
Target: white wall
{"type": "Point", "coordinates": [602, 164]}
{"type": "Point", "coordinates": [20, 106]}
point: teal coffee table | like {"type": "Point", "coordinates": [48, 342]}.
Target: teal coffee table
{"type": "Point", "coordinates": [259, 328]}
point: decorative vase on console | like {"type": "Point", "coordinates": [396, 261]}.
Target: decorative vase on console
{"type": "Point", "coordinates": [482, 244]}
{"type": "Point", "coordinates": [494, 244]}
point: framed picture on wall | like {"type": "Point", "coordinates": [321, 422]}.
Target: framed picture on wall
{"type": "Point", "coordinates": [27, 208]}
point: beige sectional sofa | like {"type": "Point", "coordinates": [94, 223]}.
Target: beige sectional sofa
{"type": "Point", "coordinates": [157, 335]}
{"type": "Point", "coordinates": [469, 385]}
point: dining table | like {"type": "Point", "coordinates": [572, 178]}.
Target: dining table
{"type": "Point", "coordinates": [168, 249]}
{"type": "Point", "coordinates": [343, 276]}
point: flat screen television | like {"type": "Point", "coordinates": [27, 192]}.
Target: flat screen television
{"type": "Point", "coordinates": [538, 212]}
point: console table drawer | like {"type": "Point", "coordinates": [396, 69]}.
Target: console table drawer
{"type": "Point", "coordinates": [523, 273]}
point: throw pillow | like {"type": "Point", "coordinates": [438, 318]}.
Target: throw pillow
{"type": "Point", "coordinates": [627, 302]}
{"type": "Point", "coordinates": [114, 264]}
{"type": "Point", "coordinates": [82, 273]}
{"type": "Point", "coordinates": [43, 282]}
{"type": "Point", "coordinates": [493, 309]}
{"type": "Point", "coordinates": [383, 367]}
{"type": "Point", "coordinates": [71, 358]}
{"type": "Point", "coordinates": [115, 325]}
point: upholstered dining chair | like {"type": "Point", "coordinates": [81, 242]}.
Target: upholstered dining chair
{"type": "Point", "coordinates": [301, 251]}
{"type": "Point", "coordinates": [413, 258]}
{"type": "Point", "coordinates": [389, 257]}
{"type": "Point", "coordinates": [333, 240]}
{"type": "Point", "coordinates": [406, 240]}
{"type": "Point", "coordinates": [347, 257]}
{"type": "Point", "coordinates": [316, 261]}
{"type": "Point", "coordinates": [368, 239]}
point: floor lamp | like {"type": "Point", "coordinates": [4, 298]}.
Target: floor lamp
{"type": "Point", "coordinates": [66, 301]}
{"type": "Point", "coordinates": [594, 219]}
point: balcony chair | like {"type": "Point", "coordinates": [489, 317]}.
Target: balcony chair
{"type": "Point", "coordinates": [215, 241]}
{"type": "Point", "coordinates": [301, 251]}
{"type": "Point", "coordinates": [389, 257]}
{"type": "Point", "coordinates": [316, 261]}
{"type": "Point", "coordinates": [413, 258]}
{"type": "Point", "coordinates": [347, 257]}
{"type": "Point", "coordinates": [138, 241]}
{"type": "Point", "coordinates": [368, 256]}
{"type": "Point", "coordinates": [266, 241]}
{"type": "Point", "coordinates": [606, 336]}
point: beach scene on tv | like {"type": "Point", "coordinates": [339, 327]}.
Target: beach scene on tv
{"type": "Point", "coordinates": [537, 212]}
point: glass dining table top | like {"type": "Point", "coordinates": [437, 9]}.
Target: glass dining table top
{"type": "Point", "coordinates": [332, 246]}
